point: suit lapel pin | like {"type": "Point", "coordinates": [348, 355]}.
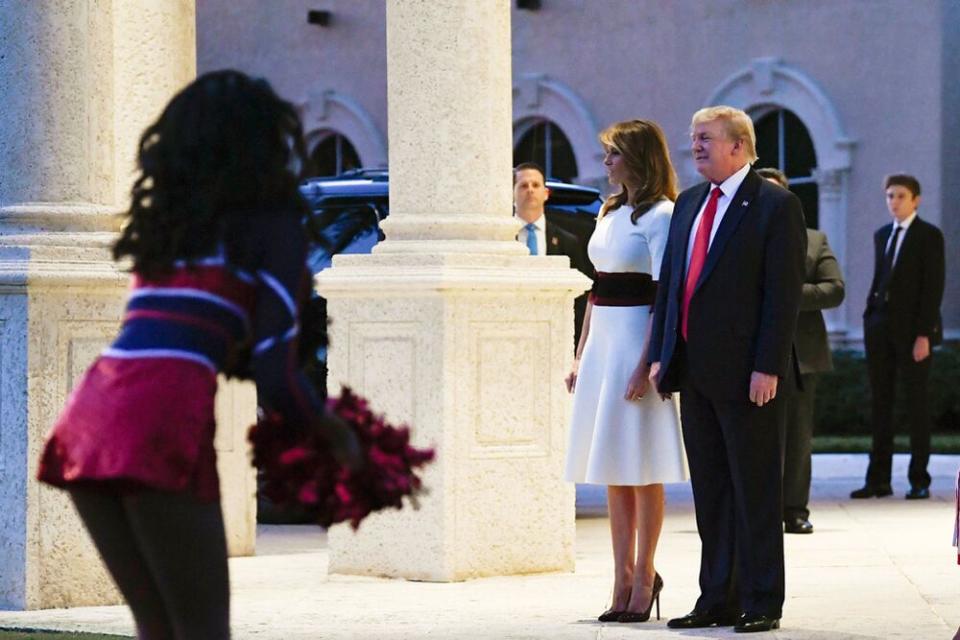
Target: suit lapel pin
{"type": "Point", "coordinates": [746, 202]}
{"type": "Point", "coordinates": [554, 240]}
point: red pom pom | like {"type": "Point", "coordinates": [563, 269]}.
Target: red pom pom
{"type": "Point", "coordinates": [298, 469]}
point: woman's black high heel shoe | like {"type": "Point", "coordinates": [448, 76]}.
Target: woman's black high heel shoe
{"type": "Point", "coordinates": [643, 616]}
{"type": "Point", "coordinates": [611, 614]}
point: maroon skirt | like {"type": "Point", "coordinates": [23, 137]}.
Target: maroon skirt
{"type": "Point", "coordinates": [137, 423]}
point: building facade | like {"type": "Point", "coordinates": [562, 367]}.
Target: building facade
{"type": "Point", "coordinates": [842, 92]}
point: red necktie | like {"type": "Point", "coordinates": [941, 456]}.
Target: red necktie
{"type": "Point", "coordinates": [699, 256]}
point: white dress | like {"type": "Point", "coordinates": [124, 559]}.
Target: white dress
{"type": "Point", "coordinates": [614, 441]}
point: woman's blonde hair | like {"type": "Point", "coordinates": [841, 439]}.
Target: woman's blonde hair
{"type": "Point", "coordinates": [643, 147]}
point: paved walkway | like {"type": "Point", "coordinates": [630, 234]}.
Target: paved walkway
{"type": "Point", "coordinates": [873, 569]}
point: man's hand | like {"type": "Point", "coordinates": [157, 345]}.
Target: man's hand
{"type": "Point", "coordinates": [921, 348]}
{"type": "Point", "coordinates": [639, 383]}
{"type": "Point", "coordinates": [571, 379]}
{"type": "Point", "coordinates": [763, 388]}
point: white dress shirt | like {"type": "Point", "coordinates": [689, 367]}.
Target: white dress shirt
{"type": "Point", "coordinates": [729, 188]}
{"type": "Point", "coordinates": [903, 225]}
{"type": "Point", "coordinates": [540, 225]}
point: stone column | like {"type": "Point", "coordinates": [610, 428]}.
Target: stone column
{"type": "Point", "coordinates": [449, 325]}
{"type": "Point", "coordinates": [81, 80]}
{"type": "Point", "coordinates": [832, 188]}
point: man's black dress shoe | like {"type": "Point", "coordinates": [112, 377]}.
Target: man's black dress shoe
{"type": "Point", "coordinates": [752, 622]}
{"type": "Point", "coordinates": [918, 493]}
{"type": "Point", "coordinates": [698, 620]}
{"type": "Point", "coordinates": [797, 525]}
{"type": "Point", "coordinates": [872, 491]}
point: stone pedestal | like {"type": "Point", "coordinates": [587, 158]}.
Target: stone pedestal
{"type": "Point", "coordinates": [450, 326]}
{"type": "Point", "coordinates": [81, 80]}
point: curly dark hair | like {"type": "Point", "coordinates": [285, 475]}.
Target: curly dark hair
{"type": "Point", "coordinates": [225, 147]}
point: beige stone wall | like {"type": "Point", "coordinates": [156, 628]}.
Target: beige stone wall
{"type": "Point", "coordinates": [67, 327]}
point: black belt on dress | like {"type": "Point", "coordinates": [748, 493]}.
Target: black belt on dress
{"type": "Point", "coordinates": [623, 289]}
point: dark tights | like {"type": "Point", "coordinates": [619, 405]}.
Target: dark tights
{"type": "Point", "coordinates": [167, 553]}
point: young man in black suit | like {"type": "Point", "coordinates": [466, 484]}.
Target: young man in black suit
{"type": "Point", "coordinates": [541, 237]}
{"type": "Point", "coordinates": [900, 326]}
{"type": "Point", "coordinates": [722, 335]}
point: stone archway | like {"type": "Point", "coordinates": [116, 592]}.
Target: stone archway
{"type": "Point", "coordinates": [536, 98]}
{"type": "Point", "coordinates": [768, 83]}
{"type": "Point", "coordinates": [329, 110]}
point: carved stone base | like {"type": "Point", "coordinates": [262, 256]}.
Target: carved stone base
{"type": "Point", "coordinates": [472, 354]}
{"type": "Point", "coordinates": [55, 317]}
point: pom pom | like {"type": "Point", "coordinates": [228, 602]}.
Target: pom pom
{"type": "Point", "coordinates": [298, 469]}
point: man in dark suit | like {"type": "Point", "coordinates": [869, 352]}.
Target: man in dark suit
{"type": "Point", "coordinates": [823, 288]}
{"type": "Point", "coordinates": [900, 325]}
{"type": "Point", "coordinates": [722, 335]}
{"type": "Point", "coordinates": [541, 237]}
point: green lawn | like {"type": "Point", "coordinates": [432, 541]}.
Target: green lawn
{"type": "Point", "coordinates": [942, 443]}
{"type": "Point", "coordinates": [8, 634]}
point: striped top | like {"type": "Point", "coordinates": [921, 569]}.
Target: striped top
{"type": "Point", "coordinates": [144, 413]}
{"type": "Point", "coordinates": [201, 312]}
{"type": "Point", "coordinates": [218, 315]}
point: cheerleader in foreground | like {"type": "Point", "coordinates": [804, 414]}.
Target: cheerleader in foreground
{"type": "Point", "coordinates": [218, 252]}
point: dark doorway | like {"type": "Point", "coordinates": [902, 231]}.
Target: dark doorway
{"type": "Point", "coordinates": [333, 155]}
{"type": "Point", "coordinates": [784, 143]}
{"type": "Point", "coordinates": [547, 145]}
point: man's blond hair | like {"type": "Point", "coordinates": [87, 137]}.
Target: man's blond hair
{"type": "Point", "coordinates": [737, 124]}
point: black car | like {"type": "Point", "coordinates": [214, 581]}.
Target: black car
{"type": "Point", "coordinates": [347, 211]}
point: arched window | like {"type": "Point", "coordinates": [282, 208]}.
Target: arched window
{"type": "Point", "coordinates": [784, 143]}
{"type": "Point", "coordinates": [546, 144]}
{"type": "Point", "coordinates": [332, 154]}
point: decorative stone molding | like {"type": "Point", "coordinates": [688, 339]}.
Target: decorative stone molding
{"type": "Point", "coordinates": [831, 182]}
{"type": "Point", "coordinates": [47, 217]}
{"type": "Point", "coordinates": [537, 97]}
{"type": "Point", "coordinates": [327, 111]}
{"type": "Point", "coordinates": [456, 350]}
{"type": "Point", "coordinates": [768, 83]}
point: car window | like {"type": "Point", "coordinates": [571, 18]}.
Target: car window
{"type": "Point", "coordinates": [319, 258]}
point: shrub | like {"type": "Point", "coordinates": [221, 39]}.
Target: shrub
{"type": "Point", "coordinates": [843, 395]}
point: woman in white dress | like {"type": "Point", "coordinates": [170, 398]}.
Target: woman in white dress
{"type": "Point", "coordinates": [622, 433]}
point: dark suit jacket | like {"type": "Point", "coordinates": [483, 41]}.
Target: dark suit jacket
{"type": "Point", "coordinates": [915, 292]}
{"type": "Point", "coordinates": [822, 289]}
{"type": "Point", "coordinates": [743, 313]}
{"type": "Point", "coordinates": [562, 242]}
